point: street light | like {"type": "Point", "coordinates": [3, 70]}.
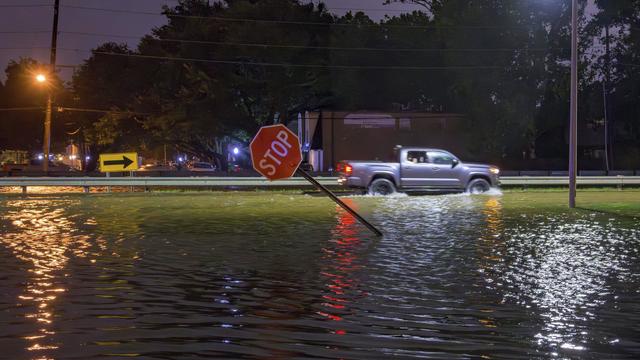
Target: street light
{"type": "Point", "coordinates": [42, 79]}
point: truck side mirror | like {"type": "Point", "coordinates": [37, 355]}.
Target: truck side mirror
{"type": "Point", "coordinates": [454, 163]}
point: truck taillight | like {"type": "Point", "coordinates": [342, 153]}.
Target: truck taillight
{"type": "Point", "coordinates": [344, 168]}
{"type": "Point", "coordinates": [348, 169]}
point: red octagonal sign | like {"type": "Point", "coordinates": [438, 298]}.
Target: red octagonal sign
{"type": "Point", "coordinates": [275, 152]}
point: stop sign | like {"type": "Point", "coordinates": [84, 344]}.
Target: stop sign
{"type": "Point", "coordinates": [275, 152]}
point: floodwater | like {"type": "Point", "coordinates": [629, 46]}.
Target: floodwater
{"type": "Point", "coordinates": [275, 275]}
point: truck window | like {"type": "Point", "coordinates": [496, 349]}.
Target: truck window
{"type": "Point", "coordinates": [440, 158]}
{"type": "Point", "coordinates": [417, 157]}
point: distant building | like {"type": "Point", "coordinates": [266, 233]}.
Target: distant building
{"type": "Point", "coordinates": [72, 157]}
{"type": "Point", "coordinates": [330, 136]}
{"type": "Point", "coordinates": [14, 157]}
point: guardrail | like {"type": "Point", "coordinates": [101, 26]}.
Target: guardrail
{"type": "Point", "coordinates": [147, 182]}
{"type": "Point", "coordinates": [257, 182]}
{"type": "Point", "coordinates": [564, 180]}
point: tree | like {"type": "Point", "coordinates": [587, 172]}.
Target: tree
{"type": "Point", "coordinates": [432, 6]}
{"type": "Point", "coordinates": [22, 127]}
{"type": "Point", "coordinates": [617, 23]}
{"type": "Point", "coordinates": [193, 103]}
{"type": "Point", "coordinates": [516, 53]}
{"type": "Point", "coordinates": [222, 69]}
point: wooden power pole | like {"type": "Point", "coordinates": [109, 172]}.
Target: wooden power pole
{"type": "Point", "coordinates": [46, 144]}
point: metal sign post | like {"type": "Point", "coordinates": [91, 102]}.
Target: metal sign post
{"type": "Point", "coordinates": [337, 200]}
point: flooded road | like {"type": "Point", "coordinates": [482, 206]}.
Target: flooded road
{"type": "Point", "coordinates": [269, 275]}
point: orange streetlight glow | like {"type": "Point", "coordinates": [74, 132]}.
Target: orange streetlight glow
{"type": "Point", "coordinates": [41, 78]}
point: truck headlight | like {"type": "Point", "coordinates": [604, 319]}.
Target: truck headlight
{"type": "Point", "coordinates": [494, 170]}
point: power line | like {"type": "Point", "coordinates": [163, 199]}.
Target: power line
{"type": "Point", "coordinates": [30, 108]}
{"type": "Point", "coordinates": [292, 22]}
{"type": "Point", "coordinates": [287, 46]}
{"type": "Point", "coordinates": [343, 67]}
{"type": "Point", "coordinates": [25, 32]}
{"type": "Point", "coordinates": [113, 10]}
{"type": "Point", "coordinates": [39, 48]}
{"type": "Point", "coordinates": [26, 6]}
{"type": "Point", "coordinates": [63, 108]}
{"type": "Point", "coordinates": [117, 112]}
{"type": "Point", "coordinates": [337, 8]}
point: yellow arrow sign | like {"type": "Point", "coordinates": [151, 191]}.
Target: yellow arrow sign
{"type": "Point", "coordinates": [118, 162]}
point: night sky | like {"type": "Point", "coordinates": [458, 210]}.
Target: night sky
{"type": "Point", "coordinates": [73, 48]}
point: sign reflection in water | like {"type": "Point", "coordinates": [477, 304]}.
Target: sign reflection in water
{"type": "Point", "coordinates": [340, 262]}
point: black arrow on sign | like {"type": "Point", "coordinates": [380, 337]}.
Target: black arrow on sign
{"type": "Point", "coordinates": [125, 162]}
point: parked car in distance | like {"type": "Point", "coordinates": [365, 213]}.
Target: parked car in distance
{"type": "Point", "coordinates": [306, 166]}
{"type": "Point", "coordinates": [418, 170]}
{"type": "Point", "coordinates": [202, 166]}
{"type": "Point", "coordinates": [156, 167]}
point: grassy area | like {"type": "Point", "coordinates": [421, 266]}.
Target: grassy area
{"type": "Point", "coordinates": [606, 200]}
{"type": "Point", "coordinates": [626, 203]}
{"type": "Point", "coordinates": [520, 189]}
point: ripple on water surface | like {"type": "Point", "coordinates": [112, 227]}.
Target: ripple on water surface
{"type": "Point", "coordinates": [277, 275]}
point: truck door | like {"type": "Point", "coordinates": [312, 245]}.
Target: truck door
{"type": "Point", "coordinates": [443, 173]}
{"type": "Point", "coordinates": [415, 169]}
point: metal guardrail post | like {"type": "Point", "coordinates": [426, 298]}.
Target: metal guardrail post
{"type": "Point", "coordinates": [621, 184]}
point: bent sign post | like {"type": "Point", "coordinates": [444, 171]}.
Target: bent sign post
{"type": "Point", "coordinates": [118, 162]}
{"type": "Point", "coordinates": [275, 154]}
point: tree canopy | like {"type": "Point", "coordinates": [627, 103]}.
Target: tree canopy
{"type": "Point", "coordinates": [222, 69]}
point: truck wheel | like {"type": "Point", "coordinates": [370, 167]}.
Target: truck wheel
{"type": "Point", "coordinates": [381, 187]}
{"type": "Point", "coordinates": [478, 186]}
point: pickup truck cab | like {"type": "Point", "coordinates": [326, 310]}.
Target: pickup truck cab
{"type": "Point", "coordinates": [419, 170]}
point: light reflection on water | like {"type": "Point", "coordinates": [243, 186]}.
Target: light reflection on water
{"type": "Point", "coordinates": [43, 238]}
{"type": "Point", "coordinates": [281, 276]}
{"type": "Point", "coordinates": [563, 267]}
{"type": "Point", "coordinates": [55, 190]}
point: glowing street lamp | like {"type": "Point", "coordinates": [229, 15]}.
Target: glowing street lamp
{"type": "Point", "coordinates": [42, 79]}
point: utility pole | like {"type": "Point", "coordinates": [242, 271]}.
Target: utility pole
{"type": "Point", "coordinates": [608, 124]}
{"type": "Point", "coordinates": [606, 127]}
{"type": "Point", "coordinates": [46, 144]}
{"type": "Point", "coordinates": [573, 107]}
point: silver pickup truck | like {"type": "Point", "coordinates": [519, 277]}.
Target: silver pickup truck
{"type": "Point", "coordinates": [418, 169]}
